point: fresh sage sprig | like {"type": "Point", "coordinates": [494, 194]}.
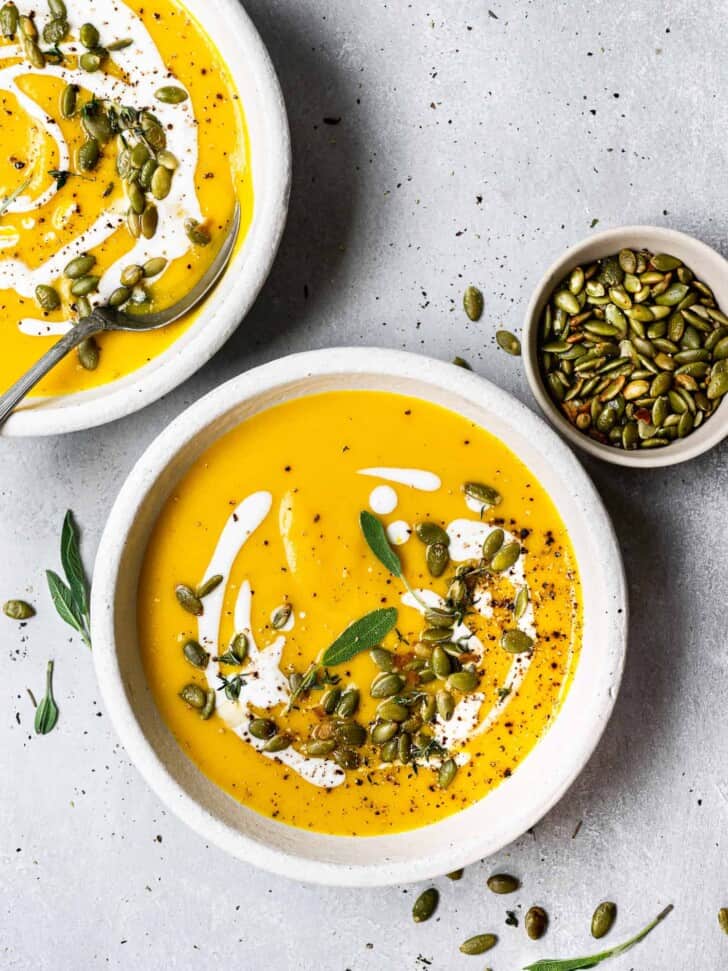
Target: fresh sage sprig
{"type": "Point", "coordinates": [46, 714]}
{"type": "Point", "coordinates": [9, 200]}
{"type": "Point", "coordinates": [70, 598]}
{"type": "Point", "coordinates": [361, 635]}
{"type": "Point", "coordinates": [577, 964]}
{"type": "Point", "coordinates": [376, 537]}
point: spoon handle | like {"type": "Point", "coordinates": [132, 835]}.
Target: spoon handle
{"type": "Point", "coordinates": [84, 328]}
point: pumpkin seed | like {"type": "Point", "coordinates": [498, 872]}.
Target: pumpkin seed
{"type": "Point", "coordinates": [473, 303]}
{"type": "Point", "coordinates": [85, 285]}
{"type": "Point", "coordinates": [384, 731]}
{"type": "Point", "coordinates": [508, 342]}
{"type": "Point", "coordinates": [463, 680]}
{"type": "Point", "coordinates": [503, 883]}
{"type": "Point", "coordinates": [445, 705]}
{"type": "Point", "coordinates": [18, 610]}
{"type": "Point", "coordinates": [47, 297]}
{"type": "Point", "coordinates": [33, 52]}
{"type": "Point", "coordinates": [479, 944]}
{"type": "Point", "coordinates": [119, 45]}
{"type": "Point", "coordinates": [196, 232]}
{"type": "Point", "coordinates": [439, 617]}
{"type": "Point", "coordinates": [188, 600]}
{"type": "Point", "coordinates": [535, 922]}
{"type": "Point", "coordinates": [278, 743]}
{"type": "Point", "coordinates": [482, 493]}
{"type": "Point", "coordinates": [131, 275]}
{"type": "Point", "coordinates": [603, 919]}
{"type": "Point", "coordinates": [437, 558]}
{"type": "Point", "coordinates": [161, 182]}
{"type": "Point", "coordinates": [330, 700]}
{"type": "Point", "coordinates": [448, 771]}
{"type": "Point", "coordinates": [168, 160]}
{"type": "Point", "coordinates": [393, 711]}
{"type": "Point", "coordinates": [89, 36]}
{"type": "Point", "coordinates": [262, 728]}
{"type": "Point", "coordinates": [171, 95]}
{"type": "Point", "coordinates": [492, 543]}
{"type": "Point", "coordinates": [79, 266]}
{"type": "Point", "coordinates": [9, 20]}
{"type": "Point", "coordinates": [383, 658]}
{"type": "Point", "coordinates": [146, 173]}
{"type": "Point", "coordinates": [139, 155]}
{"type": "Point", "coordinates": [88, 155]}
{"type": "Point", "coordinates": [319, 748]}
{"type": "Point", "coordinates": [88, 354]}
{"type": "Point", "coordinates": [54, 31]}
{"type": "Point", "coordinates": [348, 704]}
{"type": "Point", "coordinates": [346, 758]}
{"type": "Point", "coordinates": [718, 385]}
{"type": "Point", "coordinates": [431, 533]}
{"type": "Point", "coordinates": [68, 100]}
{"type": "Point", "coordinates": [664, 262]}
{"type": "Point", "coordinates": [404, 746]}
{"type": "Point", "coordinates": [83, 307]}
{"type": "Point", "coordinates": [455, 874]}
{"type": "Point", "coordinates": [154, 266]}
{"type": "Point", "coordinates": [148, 221]}
{"type": "Point", "coordinates": [195, 654]}
{"type": "Point", "coordinates": [506, 557]}
{"type": "Point", "coordinates": [723, 919]}
{"type": "Point", "coordinates": [280, 617]}
{"type": "Point", "coordinates": [386, 685]}
{"type": "Point", "coordinates": [520, 602]}
{"type": "Point", "coordinates": [119, 296]}
{"type": "Point", "coordinates": [28, 28]}
{"type": "Point", "coordinates": [388, 751]}
{"type": "Point", "coordinates": [90, 61]}
{"type": "Point", "coordinates": [441, 663]}
{"type": "Point", "coordinates": [193, 695]}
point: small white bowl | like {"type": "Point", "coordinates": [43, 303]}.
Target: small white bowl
{"type": "Point", "coordinates": [520, 801]}
{"type": "Point", "coordinates": [270, 157]}
{"type": "Point", "coordinates": [705, 262]}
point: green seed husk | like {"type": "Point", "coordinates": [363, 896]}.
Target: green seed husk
{"type": "Point", "coordinates": [437, 558]}
{"type": "Point", "coordinates": [386, 685]}
{"type": "Point", "coordinates": [479, 944]}
{"type": "Point", "coordinates": [195, 654]}
{"type": "Point", "coordinates": [119, 45]}
{"type": "Point", "coordinates": [262, 728]}
{"type": "Point", "coordinates": [281, 616]}
{"type": "Point", "coordinates": [47, 297]}
{"type": "Point", "coordinates": [119, 296]}
{"type": "Point", "coordinates": [131, 275]}
{"type": "Point", "coordinates": [194, 696]}
{"type": "Point", "coordinates": [154, 266]}
{"type": "Point", "coordinates": [473, 303]}
{"type": "Point", "coordinates": [85, 285]}
{"type": "Point", "coordinates": [68, 100]}
{"type": "Point", "coordinates": [161, 182]}
{"type": "Point", "coordinates": [171, 95]}
{"type": "Point", "coordinates": [484, 494]}
{"type": "Point", "coordinates": [188, 600]}
{"type": "Point", "coordinates": [430, 533]}
{"type": "Point", "coordinates": [348, 704]}
{"type": "Point", "coordinates": [148, 221]}
{"type": "Point", "coordinates": [18, 610]}
{"type": "Point", "coordinates": [89, 36]}
{"type": "Point", "coordinates": [448, 771]}
{"type": "Point", "coordinates": [425, 905]}
{"type": "Point", "coordinates": [383, 658]}
{"type": "Point", "coordinates": [516, 642]}
{"type": "Point", "coordinates": [603, 919]}
{"type": "Point", "coordinates": [535, 922]}
{"type": "Point", "coordinates": [506, 557]}
{"type": "Point", "coordinates": [508, 342]}
{"type": "Point", "coordinates": [503, 883]}
{"type": "Point", "coordinates": [90, 61]}
{"type": "Point", "coordinates": [209, 706]}
{"type": "Point", "coordinates": [88, 354]}
{"type": "Point", "coordinates": [9, 20]}
{"type": "Point", "coordinates": [463, 681]}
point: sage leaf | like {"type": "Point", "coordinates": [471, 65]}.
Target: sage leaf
{"type": "Point", "coordinates": [9, 200]}
{"type": "Point", "coordinates": [72, 565]}
{"type": "Point", "coordinates": [577, 964]}
{"type": "Point", "coordinates": [362, 635]}
{"type": "Point", "coordinates": [63, 601]}
{"type": "Point", "coordinates": [378, 543]}
{"type": "Point", "coordinates": [46, 714]}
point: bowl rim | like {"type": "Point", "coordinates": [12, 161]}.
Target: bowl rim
{"type": "Point", "coordinates": [264, 380]}
{"type": "Point", "coordinates": [615, 238]}
{"type": "Point", "coordinates": [225, 309]}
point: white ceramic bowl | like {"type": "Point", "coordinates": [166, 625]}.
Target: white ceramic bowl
{"type": "Point", "coordinates": [270, 157]}
{"type": "Point", "coordinates": [518, 802]}
{"type": "Point", "coordinates": [707, 264]}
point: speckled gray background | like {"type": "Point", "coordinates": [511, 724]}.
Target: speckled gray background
{"type": "Point", "coordinates": [472, 147]}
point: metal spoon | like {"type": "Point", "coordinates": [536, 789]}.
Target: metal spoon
{"type": "Point", "coordinates": [107, 318]}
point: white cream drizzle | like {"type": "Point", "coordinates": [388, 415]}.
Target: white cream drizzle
{"type": "Point", "coordinates": [148, 72]}
{"type": "Point", "coordinates": [398, 532]}
{"type": "Point", "coordinates": [416, 478]}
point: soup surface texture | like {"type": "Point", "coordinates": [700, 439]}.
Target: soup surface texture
{"type": "Point", "coordinates": [467, 653]}
{"type": "Point", "coordinates": [125, 144]}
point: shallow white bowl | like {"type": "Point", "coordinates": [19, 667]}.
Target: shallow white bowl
{"type": "Point", "coordinates": [518, 802]}
{"type": "Point", "coordinates": [270, 157]}
{"type": "Point", "coordinates": [708, 266]}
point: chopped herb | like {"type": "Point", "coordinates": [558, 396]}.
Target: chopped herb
{"type": "Point", "coordinates": [60, 177]}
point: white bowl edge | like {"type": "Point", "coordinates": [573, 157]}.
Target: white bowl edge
{"type": "Point", "coordinates": [254, 76]}
{"type": "Point", "coordinates": [481, 830]}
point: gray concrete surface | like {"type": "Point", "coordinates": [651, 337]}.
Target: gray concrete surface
{"type": "Point", "coordinates": [473, 147]}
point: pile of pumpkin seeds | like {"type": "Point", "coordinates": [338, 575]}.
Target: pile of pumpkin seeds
{"type": "Point", "coordinates": [413, 689]}
{"type": "Point", "coordinates": [634, 349]}
{"type": "Point", "coordinates": [143, 161]}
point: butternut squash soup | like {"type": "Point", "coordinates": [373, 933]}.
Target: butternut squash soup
{"type": "Point", "coordinates": [124, 152]}
{"type": "Point", "coordinates": [358, 612]}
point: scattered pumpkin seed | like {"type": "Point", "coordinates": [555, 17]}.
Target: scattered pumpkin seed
{"type": "Point", "coordinates": [90, 61]}
{"type": "Point", "coordinates": [482, 493]}
{"type": "Point", "coordinates": [161, 182]}
{"type": "Point", "coordinates": [455, 874]}
{"type": "Point", "coordinates": [171, 95]}
{"type": "Point", "coordinates": [119, 296]}
{"type": "Point", "coordinates": [85, 285]}
{"type": "Point", "coordinates": [425, 905]}
{"type": "Point", "coordinates": [723, 919]}
{"type": "Point", "coordinates": [348, 704]}
{"type": "Point", "coordinates": [386, 685]}
{"type": "Point", "coordinates": [148, 221]}
{"type": "Point", "coordinates": [463, 680]}
{"type": "Point", "coordinates": [262, 728]}
{"type": "Point", "coordinates": [18, 610]}
{"type": "Point", "coordinates": [47, 297]}
{"type": "Point", "coordinates": [603, 919]}
{"type": "Point", "coordinates": [196, 232]}
{"type": "Point", "coordinates": [448, 771]}
{"type": "Point", "coordinates": [430, 533]}
{"type": "Point", "coordinates": [194, 696]}
{"type": "Point", "coordinates": [479, 944]}
{"type": "Point", "coordinates": [88, 155]}
{"type": "Point", "coordinates": [89, 36]}
{"type": "Point", "coordinates": [506, 557]}
{"type": "Point", "coordinates": [89, 354]}
{"type": "Point", "coordinates": [535, 922]}
{"type": "Point", "coordinates": [188, 600]}
{"type": "Point", "coordinates": [473, 303]}
{"type": "Point", "coordinates": [508, 342]}
{"type": "Point", "coordinates": [9, 20]}
{"type": "Point", "coordinates": [516, 641]}
{"type": "Point", "coordinates": [68, 100]}
{"type": "Point", "coordinates": [437, 558]}
{"type": "Point", "coordinates": [278, 743]}
{"type": "Point", "coordinates": [195, 654]}
{"type": "Point", "coordinates": [503, 883]}
{"type": "Point", "coordinates": [154, 266]}
{"type": "Point", "coordinates": [280, 617]}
